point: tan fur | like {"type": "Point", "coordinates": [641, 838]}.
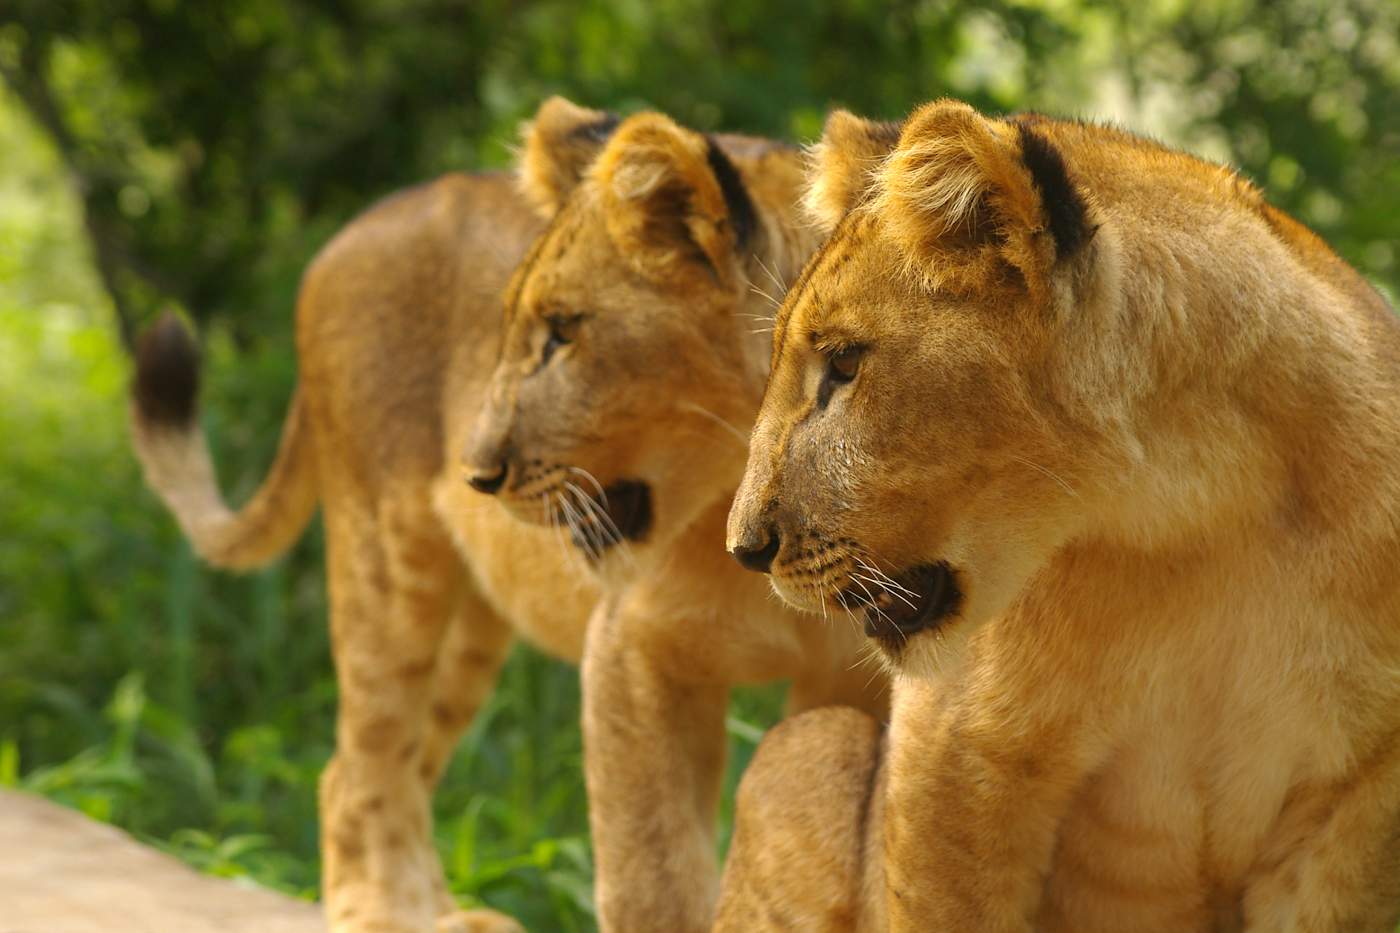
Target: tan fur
{"type": "Point", "coordinates": [842, 163]}
{"type": "Point", "coordinates": [559, 145]}
{"type": "Point", "coordinates": [1164, 466]}
{"type": "Point", "coordinates": [398, 324]}
{"type": "Point", "coordinates": [807, 819]}
{"type": "Point", "coordinates": [659, 383]}
{"type": "Point", "coordinates": [659, 199]}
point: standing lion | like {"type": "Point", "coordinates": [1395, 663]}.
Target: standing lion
{"type": "Point", "coordinates": [607, 407]}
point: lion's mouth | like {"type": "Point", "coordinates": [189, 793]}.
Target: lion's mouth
{"type": "Point", "coordinates": [919, 599]}
{"type": "Point", "coordinates": [619, 512]}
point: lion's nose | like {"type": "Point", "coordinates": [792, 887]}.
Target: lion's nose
{"type": "Point", "coordinates": [758, 548]}
{"type": "Point", "coordinates": [488, 481]}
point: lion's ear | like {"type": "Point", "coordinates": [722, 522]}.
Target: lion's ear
{"type": "Point", "coordinates": [963, 193]}
{"type": "Point", "coordinates": [841, 166]}
{"type": "Point", "coordinates": [671, 196]}
{"type": "Point", "coordinates": [559, 144]}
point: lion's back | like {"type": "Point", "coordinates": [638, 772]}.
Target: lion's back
{"type": "Point", "coordinates": [389, 299]}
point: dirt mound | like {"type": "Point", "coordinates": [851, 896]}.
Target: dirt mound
{"type": "Point", "coordinates": [63, 873]}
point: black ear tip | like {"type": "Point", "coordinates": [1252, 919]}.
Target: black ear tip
{"type": "Point", "coordinates": [887, 132]}
{"type": "Point", "coordinates": [736, 197]}
{"type": "Point", "coordinates": [1065, 209]}
{"type": "Point", "coordinates": [167, 373]}
{"type": "Point", "coordinates": [597, 131]}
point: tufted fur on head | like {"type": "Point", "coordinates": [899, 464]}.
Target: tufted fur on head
{"type": "Point", "coordinates": [558, 146]}
{"type": "Point", "coordinates": [967, 198]}
{"type": "Point", "coordinates": [842, 165]}
{"type": "Point", "coordinates": [663, 200]}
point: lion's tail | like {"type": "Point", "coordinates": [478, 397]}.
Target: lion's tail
{"type": "Point", "coordinates": [175, 459]}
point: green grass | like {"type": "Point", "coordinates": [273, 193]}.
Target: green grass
{"type": "Point", "coordinates": [195, 708]}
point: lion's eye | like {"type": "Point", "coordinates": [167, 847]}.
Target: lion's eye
{"type": "Point", "coordinates": [562, 331]}
{"type": "Point", "coordinates": [842, 365]}
{"type": "Point", "coordinates": [841, 368]}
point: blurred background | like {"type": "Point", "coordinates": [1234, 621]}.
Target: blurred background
{"type": "Point", "coordinates": [197, 153]}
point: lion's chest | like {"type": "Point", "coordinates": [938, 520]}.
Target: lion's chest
{"type": "Point", "coordinates": [1161, 840]}
{"type": "Point", "coordinates": [528, 574]}
{"type": "Point", "coordinates": [1219, 723]}
{"type": "Point", "coordinates": [1208, 782]}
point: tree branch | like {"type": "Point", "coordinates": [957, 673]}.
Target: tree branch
{"type": "Point", "coordinates": [29, 83]}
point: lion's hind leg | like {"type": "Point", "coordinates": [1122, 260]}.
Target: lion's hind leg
{"type": "Point", "coordinates": [807, 828]}
{"type": "Point", "coordinates": [469, 660]}
{"type": "Point", "coordinates": [394, 582]}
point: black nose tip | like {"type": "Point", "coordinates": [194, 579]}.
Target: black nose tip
{"type": "Point", "coordinates": [489, 483]}
{"type": "Point", "coordinates": [758, 555]}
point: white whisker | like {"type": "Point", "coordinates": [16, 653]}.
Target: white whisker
{"type": "Point", "coordinates": [570, 553]}
{"type": "Point", "coordinates": [821, 601]}
{"type": "Point", "coordinates": [766, 297]}
{"type": "Point", "coordinates": [897, 595]}
{"type": "Point", "coordinates": [841, 598]}
{"type": "Point", "coordinates": [576, 528]}
{"type": "Point", "coordinates": [591, 529]}
{"type": "Point", "coordinates": [886, 580]}
{"type": "Point", "coordinates": [602, 496]}
{"type": "Point", "coordinates": [878, 611]}
{"type": "Point", "coordinates": [606, 534]}
{"type": "Point", "coordinates": [879, 668]}
{"type": "Point", "coordinates": [602, 521]}
{"type": "Point", "coordinates": [1069, 490]}
{"type": "Point", "coordinates": [782, 286]}
{"type": "Point", "coordinates": [700, 410]}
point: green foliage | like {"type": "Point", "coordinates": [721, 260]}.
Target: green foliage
{"type": "Point", "coordinates": [198, 153]}
{"type": "Point", "coordinates": [219, 144]}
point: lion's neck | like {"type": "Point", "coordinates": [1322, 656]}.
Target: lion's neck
{"type": "Point", "coordinates": [1268, 407]}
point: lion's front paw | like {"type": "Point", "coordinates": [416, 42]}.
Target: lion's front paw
{"type": "Point", "coordinates": [478, 921]}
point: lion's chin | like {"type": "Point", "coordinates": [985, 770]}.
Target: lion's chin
{"type": "Point", "coordinates": [527, 511]}
{"type": "Point", "coordinates": [923, 598]}
{"type": "Point", "coordinates": [621, 512]}
{"type": "Point", "coordinates": [802, 598]}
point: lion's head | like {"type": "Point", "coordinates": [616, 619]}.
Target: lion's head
{"type": "Point", "coordinates": [634, 349]}
{"type": "Point", "coordinates": [1021, 332]}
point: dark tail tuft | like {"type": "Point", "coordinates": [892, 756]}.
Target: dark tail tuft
{"type": "Point", "coordinates": [167, 374]}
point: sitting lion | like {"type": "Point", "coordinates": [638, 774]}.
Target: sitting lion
{"type": "Point", "coordinates": [630, 330]}
{"type": "Point", "coordinates": [1103, 453]}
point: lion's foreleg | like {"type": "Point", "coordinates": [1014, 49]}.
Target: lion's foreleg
{"type": "Point", "coordinates": [807, 829]}
{"type": "Point", "coordinates": [654, 748]}
{"type": "Point", "coordinates": [971, 812]}
{"type": "Point", "coordinates": [1335, 859]}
